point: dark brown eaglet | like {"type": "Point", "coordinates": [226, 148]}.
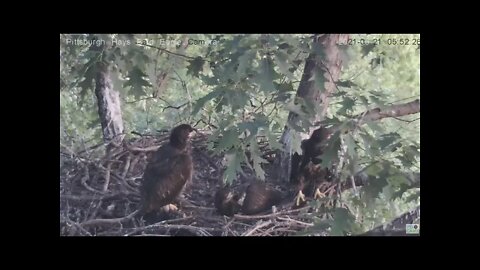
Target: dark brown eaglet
{"type": "Point", "coordinates": [226, 201]}
{"type": "Point", "coordinates": [168, 171]}
{"type": "Point", "coordinates": [259, 197]}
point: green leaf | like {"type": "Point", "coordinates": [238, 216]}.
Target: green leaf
{"type": "Point", "coordinates": [415, 196]}
{"type": "Point", "coordinates": [195, 66]}
{"type": "Point", "coordinates": [117, 83]}
{"type": "Point", "coordinates": [201, 101]}
{"type": "Point", "coordinates": [387, 139]}
{"type": "Point", "coordinates": [281, 59]}
{"type": "Point", "coordinates": [351, 146]}
{"type": "Point", "coordinates": [257, 159]}
{"type": "Point", "coordinates": [347, 105]}
{"type": "Point", "coordinates": [236, 99]}
{"type": "Point", "coordinates": [296, 142]}
{"type": "Point", "coordinates": [294, 108]}
{"type": "Point", "coordinates": [374, 169]}
{"type": "Point", "coordinates": [367, 48]}
{"type": "Point", "coordinates": [331, 151]}
{"type": "Point", "coordinates": [412, 151]}
{"type": "Point", "coordinates": [228, 140]}
{"type": "Point", "coordinates": [94, 124]}
{"type": "Point", "coordinates": [265, 76]}
{"type": "Point", "coordinates": [364, 100]}
{"type": "Point", "coordinates": [250, 126]}
{"type": "Point", "coordinates": [377, 101]}
{"type": "Point", "coordinates": [295, 127]}
{"type": "Point", "coordinates": [276, 126]}
{"type": "Point", "coordinates": [209, 80]}
{"type": "Point", "coordinates": [233, 165]}
{"type": "Point", "coordinates": [244, 62]}
{"type": "Point", "coordinates": [89, 73]}
{"type": "Point", "coordinates": [406, 161]}
{"type": "Point", "coordinates": [375, 185]}
{"type": "Point", "coordinates": [398, 180]}
{"type": "Point", "coordinates": [342, 222]}
{"type": "Point", "coordinates": [283, 46]}
{"type": "Point", "coordinates": [273, 141]}
{"type": "Point", "coordinates": [331, 121]}
{"type": "Point", "coordinates": [375, 127]}
{"type": "Point", "coordinates": [346, 84]}
{"type": "Point", "coordinates": [140, 59]}
{"type": "Point", "coordinates": [389, 192]}
{"type": "Point", "coordinates": [136, 82]}
{"type": "Point", "coordinates": [395, 146]}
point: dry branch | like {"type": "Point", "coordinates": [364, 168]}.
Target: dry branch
{"type": "Point", "coordinates": [104, 221]}
{"type": "Point", "coordinates": [392, 111]}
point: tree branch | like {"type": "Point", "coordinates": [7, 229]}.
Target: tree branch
{"type": "Point", "coordinates": [390, 111]}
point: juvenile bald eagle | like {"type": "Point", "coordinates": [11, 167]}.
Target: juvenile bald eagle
{"type": "Point", "coordinates": [227, 201]}
{"type": "Point", "coordinates": [168, 171]}
{"type": "Point", "coordinates": [307, 172]}
{"type": "Point", "coordinates": [258, 197]}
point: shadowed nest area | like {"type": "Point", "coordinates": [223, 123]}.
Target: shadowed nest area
{"type": "Point", "coordinates": [100, 195]}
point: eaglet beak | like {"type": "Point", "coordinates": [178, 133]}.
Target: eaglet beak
{"type": "Point", "coordinates": [191, 134]}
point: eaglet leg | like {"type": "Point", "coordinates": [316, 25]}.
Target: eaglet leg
{"type": "Point", "coordinates": [299, 198]}
{"type": "Point", "coordinates": [318, 194]}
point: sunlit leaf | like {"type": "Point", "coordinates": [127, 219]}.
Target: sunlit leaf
{"type": "Point", "coordinates": [281, 59]}
{"type": "Point", "coordinates": [233, 166]}
{"type": "Point", "coordinates": [351, 145]}
{"type": "Point", "coordinates": [265, 76]}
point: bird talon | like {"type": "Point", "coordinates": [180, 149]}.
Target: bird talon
{"type": "Point", "coordinates": [170, 208]}
{"type": "Point", "coordinates": [300, 198]}
{"type": "Point", "coordinates": [318, 194]}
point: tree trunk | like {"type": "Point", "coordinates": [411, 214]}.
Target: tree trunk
{"type": "Point", "coordinates": [329, 67]}
{"type": "Point", "coordinates": [109, 107]}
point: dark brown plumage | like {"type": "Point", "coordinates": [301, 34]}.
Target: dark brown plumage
{"type": "Point", "coordinates": [313, 147]}
{"type": "Point", "coordinates": [226, 201]}
{"type": "Point", "coordinates": [307, 172]}
{"type": "Point", "coordinates": [168, 171]}
{"type": "Point", "coordinates": [259, 197]}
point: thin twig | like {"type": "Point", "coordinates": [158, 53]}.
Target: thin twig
{"type": "Point", "coordinates": [403, 120]}
{"type": "Point", "coordinates": [295, 221]}
{"type": "Point", "coordinates": [272, 215]}
{"type": "Point", "coordinates": [103, 221]}
{"type": "Point", "coordinates": [259, 226]}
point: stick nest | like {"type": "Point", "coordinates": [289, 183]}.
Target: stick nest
{"type": "Point", "coordinates": [100, 196]}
